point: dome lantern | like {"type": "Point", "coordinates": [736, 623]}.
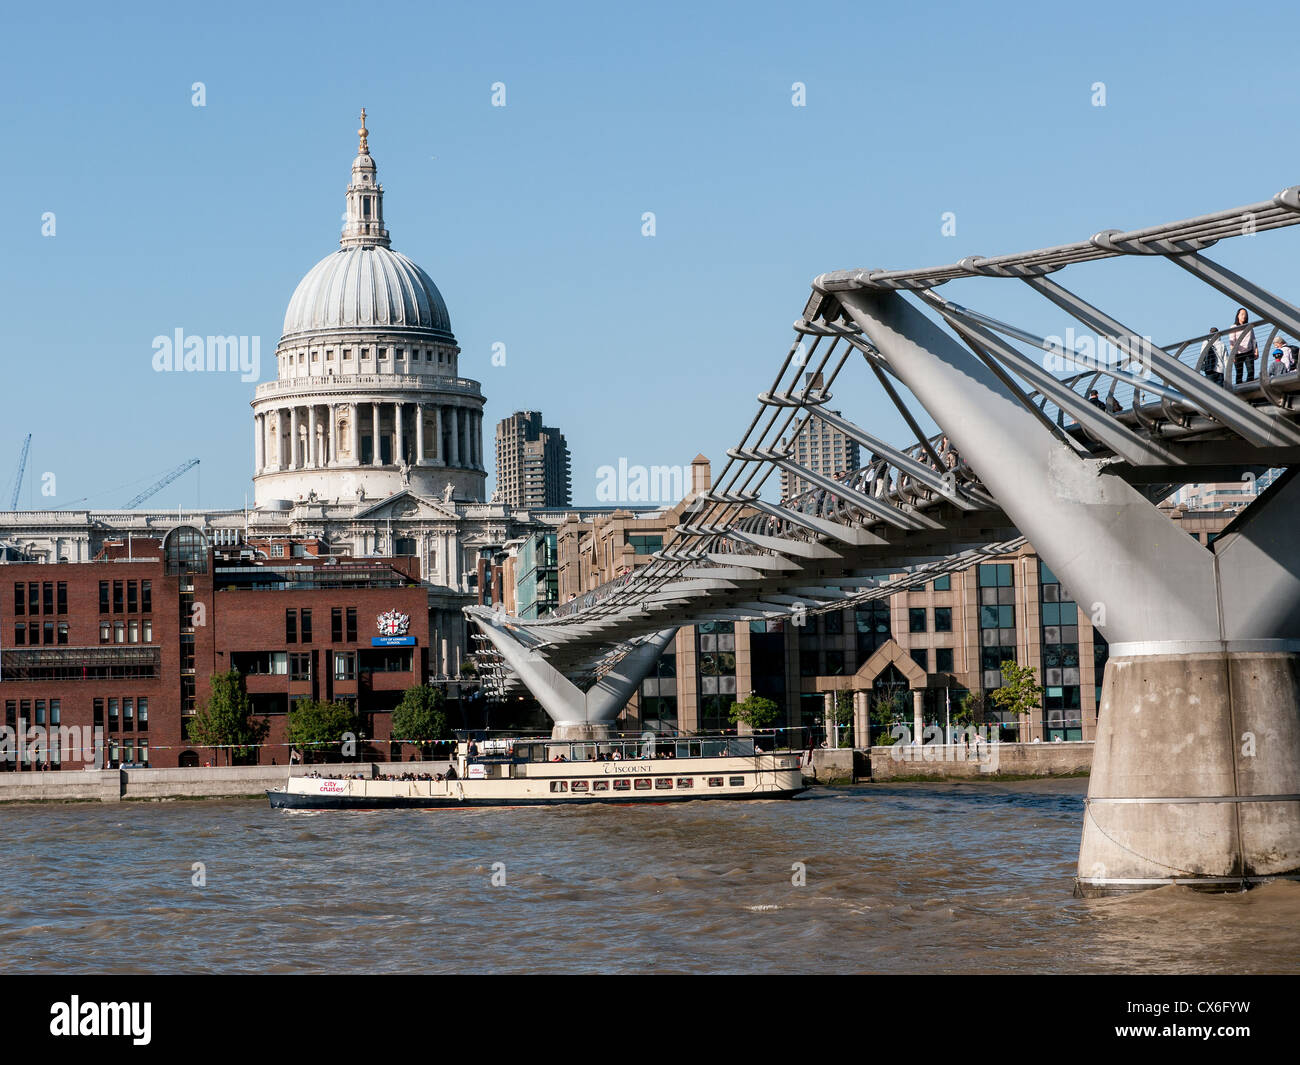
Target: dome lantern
{"type": "Point", "coordinates": [364, 227]}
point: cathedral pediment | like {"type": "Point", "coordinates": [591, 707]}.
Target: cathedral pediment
{"type": "Point", "coordinates": [407, 506]}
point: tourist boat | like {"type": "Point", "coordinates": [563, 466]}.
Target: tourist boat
{"type": "Point", "coordinates": [525, 771]}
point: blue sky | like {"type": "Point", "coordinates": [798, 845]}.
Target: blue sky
{"type": "Point", "coordinates": [528, 217]}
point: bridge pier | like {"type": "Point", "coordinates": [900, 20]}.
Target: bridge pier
{"type": "Point", "coordinates": [1196, 770]}
{"type": "Point", "coordinates": [1195, 773]}
{"type": "Point", "coordinates": [576, 714]}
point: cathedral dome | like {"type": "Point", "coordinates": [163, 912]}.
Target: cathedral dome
{"type": "Point", "coordinates": [367, 285]}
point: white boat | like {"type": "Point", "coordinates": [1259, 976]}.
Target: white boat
{"type": "Point", "coordinates": [529, 771]}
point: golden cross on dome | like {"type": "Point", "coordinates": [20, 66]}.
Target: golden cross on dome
{"type": "Point", "coordinates": [363, 134]}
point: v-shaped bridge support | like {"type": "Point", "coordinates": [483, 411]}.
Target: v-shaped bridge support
{"type": "Point", "coordinates": [577, 714]}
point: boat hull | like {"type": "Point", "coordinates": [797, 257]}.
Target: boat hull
{"type": "Point", "coordinates": [284, 800]}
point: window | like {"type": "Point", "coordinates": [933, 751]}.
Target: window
{"type": "Point", "coordinates": [47, 595]}
{"type": "Point", "coordinates": [56, 712]}
{"type": "Point", "coordinates": [600, 785]}
{"type": "Point", "coordinates": [63, 597]}
{"type": "Point", "coordinates": [622, 785]}
{"type": "Point", "coordinates": [277, 550]}
{"type": "Point", "coordinates": [921, 656]}
{"type": "Point", "coordinates": [187, 652]}
{"type": "Point", "coordinates": [944, 583]}
{"type": "Point", "coordinates": [112, 714]}
{"type": "Point", "coordinates": [291, 626]}
{"type": "Point", "coordinates": [736, 782]}
{"type": "Point", "coordinates": [20, 600]}
{"type": "Point", "coordinates": [663, 783]}
{"type": "Point", "coordinates": [20, 634]}
{"type": "Point", "coordinates": [345, 665]}
{"type": "Point", "coordinates": [943, 619]}
{"type": "Point", "coordinates": [33, 599]}
{"type": "Point", "coordinates": [336, 625]}
{"type": "Point", "coordinates": [63, 632]}
{"type": "Point", "coordinates": [133, 631]}
{"type": "Point", "coordinates": [305, 626]}
{"type": "Point", "coordinates": [578, 785]}
{"type": "Point", "coordinates": [146, 630]}
{"type": "Point", "coordinates": [142, 752]}
{"type": "Point", "coordinates": [645, 545]}
{"type": "Point", "coordinates": [142, 716]}
{"type": "Point", "coordinates": [559, 785]}
{"type": "Point", "coordinates": [685, 782]}
{"type": "Point", "coordinates": [352, 624]}
{"type": "Point", "coordinates": [128, 715]}
{"type": "Point", "coordinates": [916, 620]}
{"type": "Point", "coordinates": [117, 597]}
{"type": "Point", "coordinates": [132, 598]}
{"type": "Point", "coordinates": [642, 783]}
{"type": "Point", "coordinates": [40, 712]}
{"type": "Point", "coordinates": [943, 660]}
{"type": "Point", "coordinates": [146, 597]}
{"type": "Point", "coordinates": [105, 632]}
{"type": "Point", "coordinates": [49, 632]}
{"type": "Point", "coordinates": [97, 712]}
{"type": "Point", "coordinates": [715, 782]}
{"type": "Point", "coordinates": [300, 667]}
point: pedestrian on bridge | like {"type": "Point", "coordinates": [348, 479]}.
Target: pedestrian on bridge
{"type": "Point", "coordinates": [1213, 362]}
{"type": "Point", "coordinates": [1244, 351]}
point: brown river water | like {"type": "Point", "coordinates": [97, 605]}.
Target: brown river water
{"type": "Point", "coordinates": [907, 878]}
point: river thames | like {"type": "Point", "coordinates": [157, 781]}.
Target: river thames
{"type": "Point", "coordinates": [906, 878]}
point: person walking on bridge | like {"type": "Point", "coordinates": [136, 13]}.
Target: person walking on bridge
{"type": "Point", "coordinates": [1213, 361]}
{"type": "Point", "coordinates": [1244, 351]}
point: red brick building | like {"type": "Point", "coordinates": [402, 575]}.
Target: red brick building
{"type": "Point", "coordinates": [127, 644]}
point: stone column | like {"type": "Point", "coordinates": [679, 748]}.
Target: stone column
{"type": "Point", "coordinates": [438, 455]}
{"type": "Point", "coordinates": [279, 438]}
{"type": "Point", "coordinates": [419, 434]}
{"type": "Point", "coordinates": [333, 458]}
{"type": "Point", "coordinates": [399, 437]}
{"type": "Point", "coordinates": [918, 715]}
{"type": "Point", "coordinates": [478, 439]}
{"type": "Point", "coordinates": [354, 432]}
{"type": "Point", "coordinates": [293, 438]}
{"type": "Point", "coordinates": [375, 453]}
{"type": "Point", "coordinates": [259, 442]}
{"type": "Point", "coordinates": [861, 720]}
{"type": "Point", "coordinates": [455, 437]}
{"type": "Point", "coordinates": [828, 716]}
{"type": "Point", "coordinates": [313, 445]}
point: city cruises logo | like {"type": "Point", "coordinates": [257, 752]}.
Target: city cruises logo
{"type": "Point", "coordinates": [393, 623]}
{"type": "Point", "coordinates": [179, 353]}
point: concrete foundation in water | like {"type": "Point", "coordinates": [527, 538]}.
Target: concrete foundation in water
{"type": "Point", "coordinates": [1196, 774]}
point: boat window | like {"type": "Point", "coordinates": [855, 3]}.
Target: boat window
{"type": "Point", "coordinates": [622, 785]}
{"type": "Point", "coordinates": [685, 782]}
{"type": "Point", "coordinates": [663, 783]}
{"type": "Point", "coordinates": [736, 782]}
{"type": "Point", "coordinates": [697, 748]}
{"type": "Point", "coordinates": [557, 752]}
{"type": "Point", "coordinates": [583, 752]}
{"type": "Point", "coordinates": [715, 782]}
{"type": "Point", "coordinates": [642, 783]}
{"type": "Point", "coordinates": [602, 785]}
{"type": "Point", "coordinates": [559, 785]}
{"type": "Point", "coordinates": [714, 748]}
{"type": "Point", "coordinates": [579, 785]}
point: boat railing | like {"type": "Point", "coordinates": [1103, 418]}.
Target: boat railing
{"type": "Point", "coordinates": [645, 746]}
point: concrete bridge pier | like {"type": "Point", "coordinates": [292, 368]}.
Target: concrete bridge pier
{"type": "Point", "coordinates": [1196, 770]}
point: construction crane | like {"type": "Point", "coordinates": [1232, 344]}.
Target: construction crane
{"type": "Point", "coordinates": [158, 486]}
{"type": "Point", "coordinates": [22, 467]}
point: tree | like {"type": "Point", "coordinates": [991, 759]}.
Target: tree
{"type": "Point", "coordinates": [972, 709]}
{"type": "Point", "coordinates": [224, 721]}
{"type": "Point", "coordinates": [1020, 692]}
{"type": "Point", "coordinates": [756, 712]}
{"type": "Point", "coordinates": [888, 708]}
{"type": "Point", "coordinates": [323, 727]}
{"type": "Point", "coordinates": [420, 719]}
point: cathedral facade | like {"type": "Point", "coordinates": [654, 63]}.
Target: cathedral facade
{"type": "Point", "coordinates": [369, 442]}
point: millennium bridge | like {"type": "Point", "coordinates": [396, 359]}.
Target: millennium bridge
{"type": "Point", "coordinates": [1196, 771]}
